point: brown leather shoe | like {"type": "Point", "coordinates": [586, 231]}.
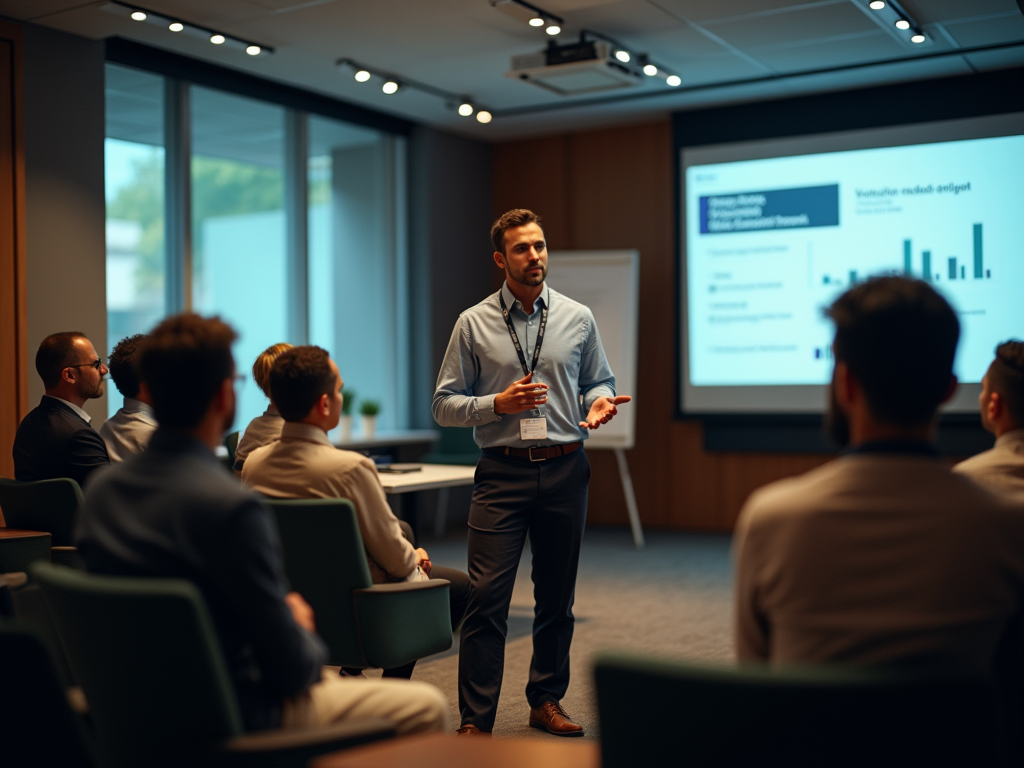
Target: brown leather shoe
{"type": "Point", "coordinates": [552, 718]}
{"type": "Point", "coordinates": [471, 730]}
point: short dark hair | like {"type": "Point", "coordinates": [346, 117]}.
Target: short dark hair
{"type": "Point", "coordinates": [124, 364]}
{"type": "Point", "coordinates": [517, 217]}
{"type": "Point", "coordinates": [56, 352]}
{"type": "Point", "coordinates": [298, 378]}
{"type": "Point", "coordinates": [1006, 376]}
{"type": "Point", "coordinates": [898, 336]}
{"type": "Point", "coordinates": [184, 361]}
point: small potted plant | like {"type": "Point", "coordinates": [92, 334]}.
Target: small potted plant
{"type": "Point", "coordinates": [347, 404]}
{"type": "Point", "coordinates": [369, 409]}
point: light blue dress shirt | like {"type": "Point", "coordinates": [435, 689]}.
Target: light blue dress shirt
{"type": "Point", "coordinates": [481, 362]}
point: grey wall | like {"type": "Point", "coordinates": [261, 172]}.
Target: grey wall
{"type": "Point", "coordinates": [64, 203]}
{"type": "Point", "coordinates": [451, 181]}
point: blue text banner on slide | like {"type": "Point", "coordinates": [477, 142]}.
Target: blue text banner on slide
{"type": "Point", "coordinates": [769, 242]}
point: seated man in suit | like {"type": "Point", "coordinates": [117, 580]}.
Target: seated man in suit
{"type": "Point", "coordinates": [882, 556]}
{"type": "Point", "coordinates": [266, 427]}
{"type": "Point", "coordinates": [1002, 414]}
{"type": "Point", "coordinates": [172, 512]}
{"type": "Point", "coordinates": [128, 431]}
{"type": "Point", "coordinates": [56, 439]}
{"type": "Point", "coordinates": [306, 385]}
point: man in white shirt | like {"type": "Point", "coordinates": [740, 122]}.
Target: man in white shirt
{"type": "Point", "coordinates": [1002, 414]}
{"type": "Point", "coordinates": [128, 431]}
{"type": "Point", "coordinates": [883, 556]}
{"type": "Point", "coordinates": [306, 387]}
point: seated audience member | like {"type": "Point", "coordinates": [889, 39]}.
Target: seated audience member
{"type": "Point", "coordinates": [56, 439]}
{"type": "Point", "coordinates": [266, 427]}
{"type": "Point", "coordinates": [128, 431]}
{"type": "Point", "coordinates": [884, 555]}
{"type": "Point", "coordinates": [170, 511]}
{"type": "Point", "coordinates": [306, 385]}
{"type": "Point", "coordinates": [1002, 414]}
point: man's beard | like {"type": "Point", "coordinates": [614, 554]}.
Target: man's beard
{"type": "Point", "coordinates": [523, 279]}
{"type": "Point", "coordinates": [837, 426]}
{"type": "Point", "coordinates": [93, 393]}
{"type": "Point", "coordinates": [229, 419]}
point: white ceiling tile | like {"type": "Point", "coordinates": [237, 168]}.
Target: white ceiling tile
{"type": "Point", "coordinates": [707, 10]}
{"type": "Point", "coordinates": [991, 31]}
{"type": "Point", "coordinates": [795, 26]}
{"type": "Point", "coordinates": [927, 11]}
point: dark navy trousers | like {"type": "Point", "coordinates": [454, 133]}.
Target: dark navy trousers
{"type": "Point", "coordinates": [514, 498]}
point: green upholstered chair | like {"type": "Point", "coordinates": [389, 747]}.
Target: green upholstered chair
{"type": "Point", "coordinates": [149, 661]}
{"type": "Point", "coordinates": [364, 624]}
{"type": "Point", "coordinates": [231, 444]}
{"type": "Point", "coordinates": [456, 446]}
{"type": "Point", "coordinates": [37, 725]}
{"type": "Point", "coordinates": [657, 712]}
{"type": "Point", "coordinates": [42, 505]}
{"type": "Point", "coordinates": [18, 548]}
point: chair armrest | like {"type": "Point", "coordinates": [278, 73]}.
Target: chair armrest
{"type": "Point", "coordinates": [293, 747]}
{"type": "Point", "coordinates": [403, 586]}
{"type": "Point", "coordinates": [67, 556]}
{"type": "Point", "coordinates": [403, 622]}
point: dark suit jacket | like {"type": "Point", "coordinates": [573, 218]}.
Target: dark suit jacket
{"type": "Point", "coordinates": [54, 441]}
{"type": "Point", "coordinates": [172, 511]}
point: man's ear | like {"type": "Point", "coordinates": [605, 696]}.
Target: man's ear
{"type": "Point", "coordinates": [846, 386]}
{"type": "Point", "coordinates": [994, 406]}
{"type": "Point", "coordinates": [499, 259]}
{"type": "Point", "coordinates": [324, 404]}
{"type": "Point", "coordinates": [222, 398]}
{"type": "Point", "coordinates": [951, 390]}
{"type": "Point", "coordinates": [68, 375]}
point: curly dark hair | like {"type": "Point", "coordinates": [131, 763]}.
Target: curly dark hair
{"type": "Point", "coordinates": [1006, 376]}
{"type": "Point", "coordinates": [898, 336]}
{"type": "Point", "coordinates": [517, 217]}
{"type": "Point", "coordinates": [299, 377]}
{"type": "Point", "coordinates": [184, 361]}
{"type": "Point", "coordinates": [124, 364]}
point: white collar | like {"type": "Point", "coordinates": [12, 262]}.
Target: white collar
{"type": "Point", "coordinates": [73, 407]}
{"type": "Point", "coordinates": [1010, 437]}
{"type": "Point", "coordinates": [133, 405]}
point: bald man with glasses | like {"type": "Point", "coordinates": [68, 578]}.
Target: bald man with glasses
{"type": "Point", "coordinates": [56, 439]}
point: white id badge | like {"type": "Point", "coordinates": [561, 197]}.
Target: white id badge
{"type": "Point", "coordinates": [533, 429]}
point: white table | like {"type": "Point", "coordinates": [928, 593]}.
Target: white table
{"type": "Point", "coordinates": [390, 439]}
{"type": "Point", "coordinates": [428, 478]}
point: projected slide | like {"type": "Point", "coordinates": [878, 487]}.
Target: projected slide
{"type": "Point", "coordinates": [770, 242]}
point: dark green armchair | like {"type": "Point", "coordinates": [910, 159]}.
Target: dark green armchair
{"type": "Point", "coordinates": [364, 624]}
{"type": "Point", "coordinates": [672, 713]}
{"type": "Point", "coordinates": [42, 505]}
{"type": "Point", "coordinates": [148, 658]}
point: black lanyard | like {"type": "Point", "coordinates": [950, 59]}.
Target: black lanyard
{"type": "Point", "coordinates": [515, 337]}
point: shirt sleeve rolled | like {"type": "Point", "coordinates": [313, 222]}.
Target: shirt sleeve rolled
{"type": "Point", "coordinates": [454, 403]}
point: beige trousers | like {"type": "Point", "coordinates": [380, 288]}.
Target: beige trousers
{"type": "Point", "coordinates": [412, 706]}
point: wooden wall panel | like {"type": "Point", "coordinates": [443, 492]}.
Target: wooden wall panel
{"type": "Point", "coordinates": [612, 188]}
{"type": "Point", "coordinates": [13, 318]}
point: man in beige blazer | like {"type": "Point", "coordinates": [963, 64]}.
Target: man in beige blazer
{"type": "Point", "coordinates": [1002, 414]}
{"type": "Point", "coordinates": [305, 385]}
{"type": "Point", "coordinates": [883, 555]}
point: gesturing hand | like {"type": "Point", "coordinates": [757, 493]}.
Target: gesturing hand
{"type": "Point", "coordinates": [602, 411]}
{"type": "Point", "coordinates": [424, 560]}
{"type": "Point", "coordinates": [521, 395]}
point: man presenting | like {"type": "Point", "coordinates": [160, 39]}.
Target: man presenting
{"type": "Point", "coordinates": [516, 369]}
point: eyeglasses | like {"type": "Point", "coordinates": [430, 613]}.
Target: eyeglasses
{"type": "Point", "coordinates": [97, 364]}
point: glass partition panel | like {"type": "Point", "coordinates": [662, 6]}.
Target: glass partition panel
{"type": "Point", "coordinates": [239, 239]}
{"type": "Point", "coordinates": [134, 173]}
{"type": "Point", "coordinates": [357, 294]}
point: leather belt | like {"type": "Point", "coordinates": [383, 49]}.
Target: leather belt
{"type": "Point", "coordinates": [537, 452]}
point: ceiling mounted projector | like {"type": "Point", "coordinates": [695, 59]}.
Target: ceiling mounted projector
{"type": "Point", "coordinates": [584, 67]}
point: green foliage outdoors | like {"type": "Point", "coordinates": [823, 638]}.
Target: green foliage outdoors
{"type": "Point", "coordinates": [370, 407]}
{"type": "Point", "coordinates": [348, 401]}
{"type": "Point", "coordinates": [219, 188]}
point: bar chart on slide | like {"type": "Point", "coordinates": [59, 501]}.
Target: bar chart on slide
{"type": "Point", "coordinates": [956, 269]}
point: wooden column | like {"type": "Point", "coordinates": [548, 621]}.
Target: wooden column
{"type": "Point", "coordinates": [13, 296]}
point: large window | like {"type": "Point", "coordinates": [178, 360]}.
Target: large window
{"type": "Point", "coordinates": [290, 226]}
{"type": "Point", "coordinates": [134, 157]}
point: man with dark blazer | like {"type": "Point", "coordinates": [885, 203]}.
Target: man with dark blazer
{"type": "Point", "coordinates": [56, 438]}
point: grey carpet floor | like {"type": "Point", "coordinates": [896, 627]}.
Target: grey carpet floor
{"type": "Point", "coordinates": [672, 599]}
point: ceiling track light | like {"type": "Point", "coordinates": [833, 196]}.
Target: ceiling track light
{"type": "Point", "coordinates": [538, 18]}
{"type": "Point", "coordinates": [464, 105]}
{"type": "Point", "coordinates": [172, 24]}
{"type": "Point", "coordinates": [895, 20]}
